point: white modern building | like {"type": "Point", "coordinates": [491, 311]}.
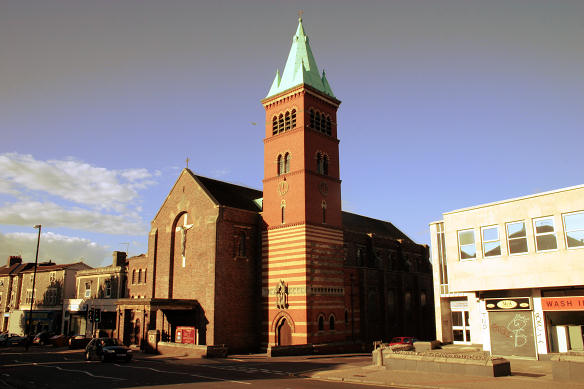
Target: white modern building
{"type": "Point", "coordinates": [510, 274]}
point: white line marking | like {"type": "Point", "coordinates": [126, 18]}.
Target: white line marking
{"type": "Point", "coordinates": [235, 359]}
{"type": "Point", "coordinates": [84, 372]}
{"type": "Point", "coordinates": [189, 374]}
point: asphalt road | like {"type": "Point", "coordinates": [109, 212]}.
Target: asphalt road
{"type": "Point", "coordinates": [61, 368]}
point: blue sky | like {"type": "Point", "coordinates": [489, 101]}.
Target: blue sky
{"type": "Point", "coordinates": [445, 104]}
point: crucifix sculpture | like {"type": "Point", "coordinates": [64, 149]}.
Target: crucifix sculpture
{"type": "Point", "coordinates": [183, 232]}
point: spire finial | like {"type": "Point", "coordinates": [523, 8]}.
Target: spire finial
{"type": "Point", "coordinates": [300, 15]}
{"type": "Point", "coordinates": [188, 162]}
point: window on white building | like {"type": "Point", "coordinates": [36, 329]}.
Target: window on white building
{"type": "Point", "coordinates": [574, 229]}
{"type": "Point", "coordinates": [545, 234]}
{"type": "Point", "coordinates": [51, 296]}
{"type": "Point", "coordinates": [491, 241]}
{"type": "Point", "coordinates": [52, 276]}
{"type": "Point", "coordinates": [466, 244]}
{"type": "Point", "coordinates": [108, 288]}
{"type": "Point", "coordinates": [517, 237]}
{"type": "Point", "coordinates": [87, 290]}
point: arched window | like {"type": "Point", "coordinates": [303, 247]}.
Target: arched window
{"type": "Point", "coordinates": [241, 249]}
{"type": "Point", "coordinates": [145, 270]}
{"type": "Point", "coordinates": [280, 164]}
{"type": "Point", "coordinates": [331, 322]}
{"type": "Point", "coordinates": [319, 162]}
{"type": "Point", "coordinates": [323, 205]}
{"type": "Point", "coordinates": [134, 276]}
{"type": "Point", "coordinates": [274, 125]}
{"type": "Point", "coordinates": [328, 125]}
{"type": "Point", "coordinates": [311, 118]}
{"type": "Point", "coordinates": [317, 121]}
{"type": "Point", "coordinates": [325, 165]}
{"type": "Point", "coordinates": [283, 208]}
{"type": "Point", "coordinates": [280, 123]}
{"type": "Point", "coordinates": [287, 121]}
{"type": "Point", "coordinates": [287, 163]}
{"type": "Point", "coordinates": [293, 118]}
{"type": "Point", "coordinates": [321, 323]}
{"type": "Point", "coordinates": [346, 317]}
{"type": "Point", "coordinates": [140, 276]}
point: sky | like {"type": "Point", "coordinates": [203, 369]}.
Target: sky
{"type": "Point", "coordinates": [445, 104]}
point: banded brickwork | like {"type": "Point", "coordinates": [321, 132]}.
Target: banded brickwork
{"type": "Point", "coordinates": [309, 260]}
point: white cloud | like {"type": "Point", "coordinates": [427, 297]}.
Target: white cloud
{"type": "Point", "coordinates": [49, 214]}
{"type": "Point", "coordinates": [55, 247]}
{"type": "Point", "coordinates": [73, 180]}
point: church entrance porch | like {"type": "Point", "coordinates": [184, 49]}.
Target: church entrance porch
{"type": "Point", "coordinates": [283, 333]}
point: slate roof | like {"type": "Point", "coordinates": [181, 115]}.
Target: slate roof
{"type": "Point", "coordinates": [231, 195]}
{"type": "Point", "coordinates": [53, 267]}
{"type": "Point", "coordinates": [16, 268]}
{"type": "Point", "coordinates": [364, 224]}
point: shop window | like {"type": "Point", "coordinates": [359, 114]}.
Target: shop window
{"type": "Point", "coordinates": [331, 322]}
{"type": "Point", "coordinates": [466, 244]}
{"type": "Point", "coordinates": [517, 237]}
{"type": "Point", "coordinates": [574, 229]}
{"type": "Point", "coordinates": [491, 241]}
{"type": "Point", "coordinates": [545, 234]}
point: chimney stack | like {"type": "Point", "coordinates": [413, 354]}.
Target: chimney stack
{"type": "Point", "coordinates": [119, 258]}
{"type": "Point", "coordinates": [13, 260]}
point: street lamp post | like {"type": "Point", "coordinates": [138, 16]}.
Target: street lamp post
{"type": "Point", "coordinates": [36, 260]}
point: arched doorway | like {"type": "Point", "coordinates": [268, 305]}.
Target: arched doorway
{"type": "Point", "coordinates": [283, 333]}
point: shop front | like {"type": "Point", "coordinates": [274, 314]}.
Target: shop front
{"type": "Point", "coordinates": [564, 319]}
{"type": "Point", "coordinates": [511, 327]}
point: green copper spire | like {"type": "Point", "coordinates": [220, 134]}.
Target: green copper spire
{"type": "Point", "coordinates": [300, 67]}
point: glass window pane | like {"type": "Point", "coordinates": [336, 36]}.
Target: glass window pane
{"type": "Point", "coordinates": [543, 226]}
{"type": "Point", "coordinates": [574, 221]}
{"type": "Point", "coordinates": [458, 335]}
{"type": "Point", "coordinates": [546, 242]}
{"type": "Point", "coordinates": [468, 335]}
{"type": "Point", "coordinates": [517, 246]}
{"type": "Point", "coordinates": [491, 233]}
{"type": "Point", "coordinates": [466, 322]}
{"type": "Point", "coordinates": [575, 239]}
{"type": "Point", "coordinates": [466, 237]}
{"type": "Point", "coordinates": [492, 249]}
{"type": "Point", "coordinates": [516, 230]}
{"type": "Point", "coordinates": [468, 251]}
{"type": "Point", "coordinates": [456, 318]}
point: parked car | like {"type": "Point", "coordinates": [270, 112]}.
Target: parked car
{"type": "Point", "coordinates": [42, 337]}
{"type": "Point", "coordinates": [107, 349]}
{"type": "Point", "coordinates": [402, 340]}
{"type": "Point", "coordinates": [12, 340]}
{"type": "Point", "coordinates": [78, 341]}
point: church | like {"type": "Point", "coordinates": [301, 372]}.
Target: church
{"type": "Point", "coordinates": [286, 266]}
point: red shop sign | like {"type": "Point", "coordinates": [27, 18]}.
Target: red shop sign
{"type": "Point", "coordinates": [562, 303]}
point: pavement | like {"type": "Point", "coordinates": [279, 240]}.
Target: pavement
{"type": "Point", "coordinates": [526, 373]}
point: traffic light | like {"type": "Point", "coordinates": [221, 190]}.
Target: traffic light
{"type": "Point", "coordinates": [97, 316]}
{"type": "Point", "coordinates": [90, 315]}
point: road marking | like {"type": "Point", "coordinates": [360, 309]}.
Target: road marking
{"type": "Point", "coordinates": [249, 370]}
{"type": "Point", "coordinates": [179, 372]}
{"type": "Point", "coordinates": [84, 372]}
{"type": "Point", "coordinates": [235, 359]}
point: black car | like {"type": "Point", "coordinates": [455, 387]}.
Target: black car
{"type": "Point", "coordinates": [42, 337]}
{"type": "Point", "coordinates": [107, 349]}
{"type": "Point", "coordinates": [11, 340]}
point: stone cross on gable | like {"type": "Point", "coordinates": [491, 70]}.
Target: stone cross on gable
{"type": "Point", "coordinates": [183, 232]}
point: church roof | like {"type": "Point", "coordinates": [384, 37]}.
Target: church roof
{"type": "Point", "coordinates": [300, 68]}
{"type": "Point", "coordinates": [364, 224]}
{"type": "Point", "coordinates": [231, 195]}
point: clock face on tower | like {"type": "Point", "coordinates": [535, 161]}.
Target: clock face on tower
{"type": "Point", "coordinates": [283, 188]}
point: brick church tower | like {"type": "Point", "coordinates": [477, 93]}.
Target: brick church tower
{"type": "Point", "coordinates": [302, 244]}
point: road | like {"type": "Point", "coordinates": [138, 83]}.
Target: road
{"type": "Point", "coordinates": [61, 368]}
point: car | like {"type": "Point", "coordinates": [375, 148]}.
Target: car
{"type": "Point", "coordinates": [42, 338]}
{"type": "Point", "coordinates": [78, 341]}
{"type": "Point", "coordinates": [409, 340]}
{"type": "Point", "coordinates": [12, 340]}
{"type": "Point", "coordinates": [107, 349]}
